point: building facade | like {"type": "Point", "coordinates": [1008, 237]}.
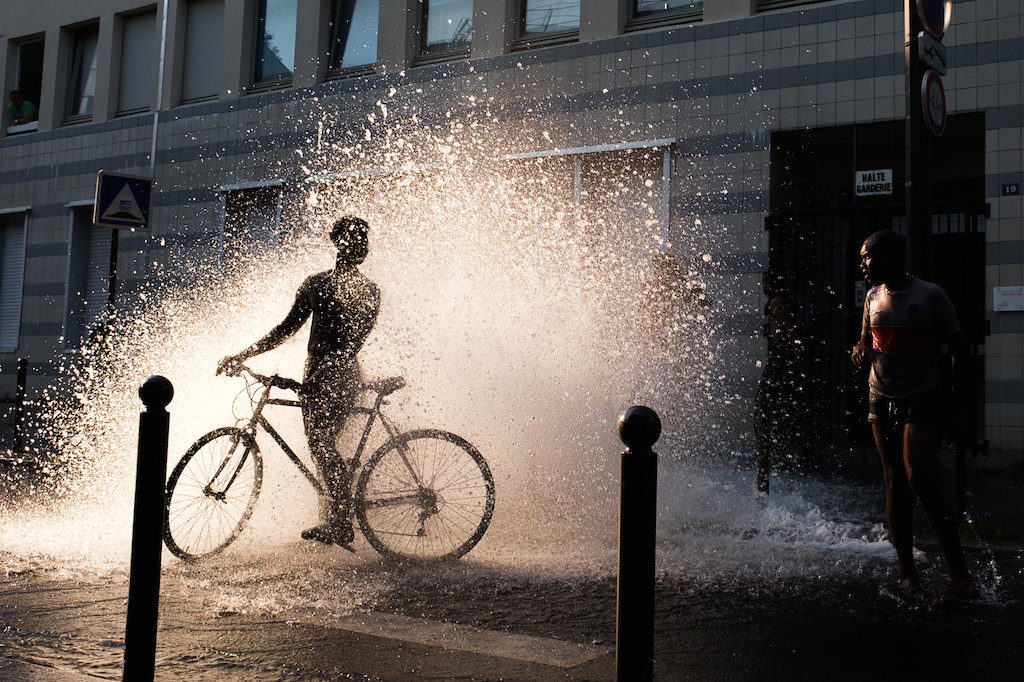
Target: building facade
{"type": "Point", "coordinates": [772, 128]}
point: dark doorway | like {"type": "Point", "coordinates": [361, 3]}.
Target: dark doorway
{"type": "Point", "coordinates": [817, 224]}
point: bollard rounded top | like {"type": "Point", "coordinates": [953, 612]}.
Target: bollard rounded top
{"type": "Point", "coordinates": [639, 427]}
{"type": "Point", "coordinates": [157, 391]}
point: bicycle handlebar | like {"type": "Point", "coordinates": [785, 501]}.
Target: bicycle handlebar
{"type": "Point", "coordinates": [275, 380]}
{"type": "Point", "coordinates": [384, 386]}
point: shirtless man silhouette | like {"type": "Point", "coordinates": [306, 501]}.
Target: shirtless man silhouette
{"type": "Point", "coordinates": [343, 304]}
{"type": "Point", "coordinates": [906, 320]}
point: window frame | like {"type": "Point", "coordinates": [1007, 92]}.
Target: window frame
{"type": "Point", "coordinates": [7, 214]}
{"type": "Point", "coordinates": [259, 23]}
{"type": "Point", "coordinates": [19, 44]}
{"type": "Point", "coordinates": [74, 33]}
{"type": "Point", "coordinates": [122, 18]}
{"type": "Point", "coordinates": [433, 55]}
{"type": "Point", "coordinates": [524, 41]}
{"type": "Point", "coordinates": [69, 345]}
{"type": "Point", "coordinates": [638, 21]}
{"type": "Point", "coordinates": [334, 73]}
{"type": "Point", "coordinates": [225, 191]}
{"type": "Point", "coordinates": [184, 52]}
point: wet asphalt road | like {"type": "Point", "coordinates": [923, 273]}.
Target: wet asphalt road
{"type": "Point", "coordinates": [770, 611]}
{"type": "Point", "coordinates": [799, 629]}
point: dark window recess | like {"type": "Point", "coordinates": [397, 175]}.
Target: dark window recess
{"type": "Point", "coordinates": [252, 221]}
{"type": "Point", "coordinates": [30, 71]}
{"type": "Point", "coordinates": [353, 33]}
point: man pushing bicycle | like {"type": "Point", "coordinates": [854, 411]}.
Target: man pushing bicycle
{"type": "Point", "coordinates": [343, 304]}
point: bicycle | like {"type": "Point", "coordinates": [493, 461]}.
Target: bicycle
{"type": "Point", "coordinates": [423, 495]}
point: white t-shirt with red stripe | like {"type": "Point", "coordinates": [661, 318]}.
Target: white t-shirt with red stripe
{"type": "Point", "coordinates": [907, 328]}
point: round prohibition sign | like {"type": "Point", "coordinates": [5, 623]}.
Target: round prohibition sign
{"type": "Point", "coordinates": [933, 15]}
{"type": "Point", "coordinates": [933, 102]}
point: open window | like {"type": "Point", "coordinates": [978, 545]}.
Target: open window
{"type": "Point", "coordinates": [28, 81]}
{"type": "Point", "coordinates": [81, 93]}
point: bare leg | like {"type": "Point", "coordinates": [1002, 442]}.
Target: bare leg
{"type": "Point", "coordinates": [920, 453]}
{"type": "Point", "coordinates": [899, 501]}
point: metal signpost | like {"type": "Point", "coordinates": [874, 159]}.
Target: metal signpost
{"type": "Point", "coordinates": [122, 203]}
{"type": "Point", "coordinates": [925, 60]}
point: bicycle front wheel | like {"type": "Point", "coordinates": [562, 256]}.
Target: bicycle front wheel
{"type": "Point", "coordinates": [425, 495]}
{"type": "Point", "coordinates": [211, 493]}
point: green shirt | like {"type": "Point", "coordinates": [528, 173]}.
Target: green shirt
{"type": "Point", "coordinates": [26, 109]}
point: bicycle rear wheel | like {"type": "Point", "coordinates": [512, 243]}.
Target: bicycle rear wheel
{"type": "Point", "coordinates": [211, 493]}
{"type": "Point", "coordinates": [425, 495]}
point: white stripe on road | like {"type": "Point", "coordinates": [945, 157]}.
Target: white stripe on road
{"type": "Point", "coordinates": [469, 638]}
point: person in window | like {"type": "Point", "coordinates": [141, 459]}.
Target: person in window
{"type": "Point", "coordinates": [778, 424]}
{"type": "Point", "coordinates": [343, 304]}
{"type": "Point", "coordinates": [906, 320]}
{"type": "Point", "coordinates": [20, 110]}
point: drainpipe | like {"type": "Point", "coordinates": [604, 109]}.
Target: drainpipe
{"type": "Point", "coordinates": [159, 87]}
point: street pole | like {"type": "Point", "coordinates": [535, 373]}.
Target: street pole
{"type": "Point", "coordinates": [147, 532]}
{"type": "Point", "coordinates": [639, 428]}
{"type": "Point", "coordinates": [918, 178]}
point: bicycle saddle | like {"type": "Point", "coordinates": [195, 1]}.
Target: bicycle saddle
{"type": "Point", "coordinates": [385, 386]}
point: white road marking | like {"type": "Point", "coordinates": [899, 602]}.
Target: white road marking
{"type": "Point", "coordinates": [543, 650]}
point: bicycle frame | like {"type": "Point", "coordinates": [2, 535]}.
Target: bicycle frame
{"type": "Point", "coordinates": [371, 413]}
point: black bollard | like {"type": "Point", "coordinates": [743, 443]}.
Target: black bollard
{"type": "Point", "coordinates": [639, 428]}
{"type": "Point", "coordinates": [147, 531]}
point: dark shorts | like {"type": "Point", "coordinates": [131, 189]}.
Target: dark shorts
{"type": "Point", "coordinates": [928, 408]}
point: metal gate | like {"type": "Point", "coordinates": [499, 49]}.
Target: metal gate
{"type": "Point", "coordinates": [817, 253]}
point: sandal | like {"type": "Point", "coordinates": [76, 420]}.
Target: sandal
{"type": "Point", "coordinates": [953, 595]}
{"type": "Point", "coordinates": [911, 591]}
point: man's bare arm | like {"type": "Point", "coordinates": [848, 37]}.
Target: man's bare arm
{"type": "Point", "coordinates": [293, 321]}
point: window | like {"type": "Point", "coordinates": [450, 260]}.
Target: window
{"type": "Point", "coordinates": [252, 222]}
{"type": "Point", "coordinates": [12, 274]}
{"type": "Point", "coordinates": [204, 27]}
{"type": "Point", "coordinates": [138, 47]}
{"type": "Point", "coordinates": [275, 40]}
{"type": "Point", "coordinates": [28, 82]}
{"type": "Point", "coordinates": [353, 33]}
{"type": "Point", "coordinates": [664, 11]}
{"type": "Point", "coordinates": [82, 74]}
{"type": "Point", "coordinates": [447, 25]}
{"type": "Point", "coordinates": [546, 17]}
{"type": "Point", "coordinates": [89, 278]}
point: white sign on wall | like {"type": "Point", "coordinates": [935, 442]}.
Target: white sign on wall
{"type": "Point", "coordinates": [1007, 299]}
{"type": "Point", "coordinates": [871, 182]}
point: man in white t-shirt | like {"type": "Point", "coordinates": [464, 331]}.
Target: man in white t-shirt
{"type": "Point", "coordinates": [906, 321]}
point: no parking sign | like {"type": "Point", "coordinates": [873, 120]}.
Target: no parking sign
{"type": "Point", "coordinates": [933, 102]}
